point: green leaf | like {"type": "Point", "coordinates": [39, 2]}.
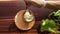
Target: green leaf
{"type": "Point", "coordinates": [57, 13]}
{"type": "Point", "coordinates": [51, 15]}
{"type": "Point", "coordinates": [48, 25]}
{"type": "Point", "coordinates": [55, 16]}
{"type": "Point", "coordinates": [52, 30]}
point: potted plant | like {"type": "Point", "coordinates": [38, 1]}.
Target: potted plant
{"type": "Point", "coordinates": [52, 23]}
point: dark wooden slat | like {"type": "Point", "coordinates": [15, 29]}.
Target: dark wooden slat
{"type": "Point", "coordinates": [32, 31]}
{"type": "Point", "coordinates": [6, 17]}
{"type": "Point", "coordinates": [10, 32]}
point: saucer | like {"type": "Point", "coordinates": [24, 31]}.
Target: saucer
{"type": "Point", "coordinates": [20, 23]}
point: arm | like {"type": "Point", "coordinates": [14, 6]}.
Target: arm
{"type": "Point", "coordinates": [53, 4]}
{"type": "Point", "coordinates": [47, 4]}
{"type": "Point", "coordinates": [36, 3]}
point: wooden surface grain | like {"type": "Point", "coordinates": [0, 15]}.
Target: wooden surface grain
{"type": "Point", "coordinates": [7, 25]}
{"type": "Point", "coordinates": [8, 10]}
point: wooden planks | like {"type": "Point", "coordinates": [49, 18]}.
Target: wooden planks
{"type": "Point", "coordinates": [8, 10]}
{"type": "Point", "coordinates": [10, 33]}
{"type": "Point", "coordinates": [18, 32]}
{"type": "Point", "coordinates": [7, 24]}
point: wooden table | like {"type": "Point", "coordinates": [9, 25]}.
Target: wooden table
{"type": "Point", "coordinates": [8, 10]}
{"type": "Point", "coordinates": [7, 26]}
